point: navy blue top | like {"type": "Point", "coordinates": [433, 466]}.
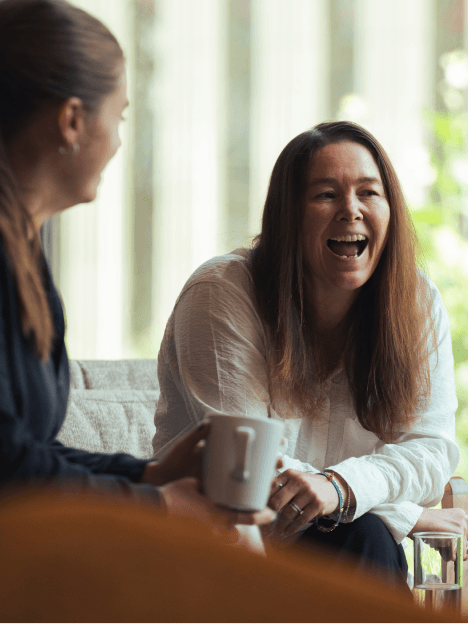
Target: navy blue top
{"type": "Point", "coordinates": [33, 402]}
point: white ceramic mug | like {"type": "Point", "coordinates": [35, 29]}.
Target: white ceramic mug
{"type": "Point", "coordinates": [240, 460]}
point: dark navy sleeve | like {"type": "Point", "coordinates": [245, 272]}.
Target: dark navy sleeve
{"type": "Point", "coordinates": [33, 402]}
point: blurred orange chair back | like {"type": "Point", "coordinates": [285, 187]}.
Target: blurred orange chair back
{"type": "Point", "coordinates": [71, 558]}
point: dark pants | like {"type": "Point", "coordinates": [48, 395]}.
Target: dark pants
{"type": "Point", "coordinates": [367, 544]}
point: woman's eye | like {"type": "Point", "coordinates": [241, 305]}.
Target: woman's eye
{"type": "Point", "coordinates": [369, 192]}
{"type": "Point", "coordinates": [326, 195]}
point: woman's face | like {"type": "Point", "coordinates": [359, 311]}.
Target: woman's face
{"type": "Point", "coordinates": [346, 218]}
{"type": "Point", "coordinates": [101, 141]}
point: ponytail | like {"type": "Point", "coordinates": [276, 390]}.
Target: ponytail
{"type": "Point", "coordinates": [24, 255]}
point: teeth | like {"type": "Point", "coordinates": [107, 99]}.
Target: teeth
{"type": "Point", "coordinates": [355, 256]}
{"type": "Point", "coordinates": [349, 238]}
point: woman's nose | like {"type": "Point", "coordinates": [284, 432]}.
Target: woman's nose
{"type": "Point", "coordinates": [350, 209]}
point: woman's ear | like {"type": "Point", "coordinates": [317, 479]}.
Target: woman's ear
{"type": "Point", "coordinates": [71, 120]}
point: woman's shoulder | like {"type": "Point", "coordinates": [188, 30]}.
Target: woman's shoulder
{"type": "Point", "coordinates": [433, 293]}
{"type": "Point", "coordinates": [436, 306]}
{"type": "Point", "coordinates": [231, 270]}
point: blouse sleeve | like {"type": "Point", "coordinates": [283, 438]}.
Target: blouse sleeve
{"type": "Point", "coordinates": [23, 457]}
{"type": "Point", "coordinates": [399, 518]}
{"type": "Point", "coordinates": [211, 361]}
{"type": "Point", "coordinates": [33, 401]}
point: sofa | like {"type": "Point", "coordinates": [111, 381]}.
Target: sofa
{"type": "Point", "coordinates": [111, 409]}
{"type": "Point", "coordinates": [112, 405]}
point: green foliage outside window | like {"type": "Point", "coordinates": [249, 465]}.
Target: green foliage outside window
{"type": "Point", "coordinates": [442, 226]}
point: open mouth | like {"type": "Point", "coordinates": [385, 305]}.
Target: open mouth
{"type": "Point", "coordinates": [348, 246]}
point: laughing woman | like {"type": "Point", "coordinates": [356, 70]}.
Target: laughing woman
{"type": "Point", "coordinates": [327, 323]}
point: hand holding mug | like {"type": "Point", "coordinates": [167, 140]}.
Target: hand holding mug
{"type": "Point", "coordinates": [184, 498]}
{"type": "Point", "coordinates": [241, 455]}
{"type": "Point", "coordinates": [182, 491]}
{"type": "Point", "coordinates": [185, 459]}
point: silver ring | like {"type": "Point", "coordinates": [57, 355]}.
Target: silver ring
{"type": "Point", "coordinates": [280, 485]}
{"type": "Point", "coordinates": [296, 508]}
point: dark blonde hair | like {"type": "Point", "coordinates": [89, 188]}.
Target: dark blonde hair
{"type": "Point", "coordinates": [49, 51]}
{"type": "Point", "coordinates": [389, 328]}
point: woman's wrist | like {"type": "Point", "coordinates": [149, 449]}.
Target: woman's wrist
{"type": "Point", "coordinates": [162, 501]}
{"type": "Point", "coordinates": [331, 512]}
{"type": "Point", "coordinates": [349, 499]}
{"type": "Point", "coordinates": [152, 474]}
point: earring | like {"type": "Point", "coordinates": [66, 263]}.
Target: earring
{"type": "Point", "coordinates": [75, 149]}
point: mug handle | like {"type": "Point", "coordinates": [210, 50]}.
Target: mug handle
{"type": "Point", "coordinates": [243, 438]}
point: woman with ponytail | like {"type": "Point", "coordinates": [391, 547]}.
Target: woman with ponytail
{"type": "Point", "coordinates": [62, 95]}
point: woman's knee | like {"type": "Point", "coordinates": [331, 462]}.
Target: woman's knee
{"type": "Point", "coordinates": [369, 527]}
{"type": "Point", "coordinates": [369, 536]}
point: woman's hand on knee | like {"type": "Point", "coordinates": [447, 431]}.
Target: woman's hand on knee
{"type": "Point", "coordinates": [447, 520]}
{"type": "Point", "coordinates": [184, 498]}
{"type": "Point", "coordinates": [313, 494]}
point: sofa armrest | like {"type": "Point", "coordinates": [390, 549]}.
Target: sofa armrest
{"type": "Point", "coordinates": [456, 494]}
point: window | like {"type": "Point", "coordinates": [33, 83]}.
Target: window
{"type": "Point", "coordinates": [217, 88]}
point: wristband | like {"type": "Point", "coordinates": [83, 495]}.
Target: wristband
{"type": "Point", "coordinates": [330, 477]}
{"type": "Point", "coordinates": [346, 511]}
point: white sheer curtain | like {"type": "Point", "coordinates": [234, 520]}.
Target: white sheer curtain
{"type": "Point", "coordinates": [189, 146]}
{"type": "Point", "coordinates": [286, 54]}
{"type": "Point", "coordinates": [290, 43]}
{"type": "Point", "coordinates": [90, 254]}
{"type": "Point", "coordinates": [394, 69]}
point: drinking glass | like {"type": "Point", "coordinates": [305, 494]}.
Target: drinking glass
{"type": "Point", "coordinates": [438, 569]}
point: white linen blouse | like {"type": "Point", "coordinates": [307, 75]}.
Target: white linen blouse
{"type": "Point", "coordinates": [213, 359]}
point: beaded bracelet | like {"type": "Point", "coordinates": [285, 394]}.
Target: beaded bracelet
{"type": "Point", "coordinates": [331, 477]}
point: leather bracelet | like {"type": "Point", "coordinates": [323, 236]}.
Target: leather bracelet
{"type": "Point", "coordinates": [346, 511]}
{"type": "Point", "coordinates": [331, 477]}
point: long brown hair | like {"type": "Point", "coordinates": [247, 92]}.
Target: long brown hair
{"type": "Point", "coordinates": [49, 51]}
{"type": "Point", "coordinates": [390, 330]}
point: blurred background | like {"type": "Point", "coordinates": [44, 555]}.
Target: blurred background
{"type": "Point", "coordinates": [217, 88]}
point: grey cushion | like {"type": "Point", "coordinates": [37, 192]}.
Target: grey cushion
{"type": "Point", "coordinates": [111, 421]}
{"type": "Point", "coordinates": [111, 406]}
